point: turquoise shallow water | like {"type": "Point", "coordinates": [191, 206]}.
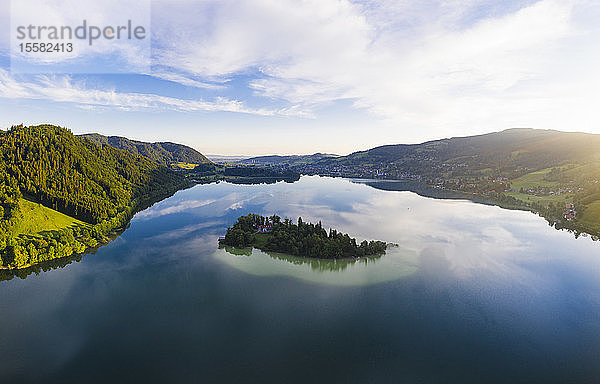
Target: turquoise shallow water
{"type": "Point", "coordinates": [472, 294]}
{"type": "Point", "coordinates": [398, 263]}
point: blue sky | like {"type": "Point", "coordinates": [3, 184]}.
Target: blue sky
{"type": "Point", "coordinates": [304, 76]}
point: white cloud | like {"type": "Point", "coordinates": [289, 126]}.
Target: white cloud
{"type": "Point", "coordinates": [422, 68]}
{"type": "Point", "coordinates": [449, 66]}
{"type": "Point", "coordinates": [186, 80]}
{"type": "Point", "coordinates": [64, 89]}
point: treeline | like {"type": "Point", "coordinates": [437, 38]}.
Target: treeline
{"type": "Point", "coordinates": [301, 239]}
{"type": "Point", "coordinates": [10, 196]}
{"type": "Point", "coordinates": [99, 185]}
{"type": "Point", "coordinates": [9, 274]}
{"type": "Point", "coordinates": [259, 172]}
{"type": "Point", "coordinates": [207, 173]}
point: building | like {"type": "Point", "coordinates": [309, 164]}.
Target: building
{"type": "Point", "coordinates": [264, 228]}
{"type": "Point", "coordinates": [569, 213]}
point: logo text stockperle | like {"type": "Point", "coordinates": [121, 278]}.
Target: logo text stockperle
{"type": "Point", "coordinates": [81, 32]}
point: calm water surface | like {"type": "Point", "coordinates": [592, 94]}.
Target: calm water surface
{"type": "Point", "coordinates": [473, 294]}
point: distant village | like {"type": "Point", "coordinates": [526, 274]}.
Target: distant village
{"type": "Point", "coordinates": [473, 184]}
{"type": "Point", "coordinates": [569, 213]}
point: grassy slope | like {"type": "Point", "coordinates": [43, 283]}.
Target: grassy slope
{"type": "Point", "coordinates": [571, 177]}
{"type": "Point", "coordinates": [37, 218]}
{"type": "Point", "coordinates": [183, 165]}
{"type": "Point", "coordinates": [534, 180]}
{"type": "Point", "coordinates": [591, 215]}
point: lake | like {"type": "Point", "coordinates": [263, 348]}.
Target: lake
{"type": "Point", "coordinates": [472, 294]}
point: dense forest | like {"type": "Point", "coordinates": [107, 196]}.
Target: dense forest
{"type": "Point", "coordinates": [164, 153]}
{"type": "Point", "coordinates": [99, 185]}
{"type": "Point", "coordinates": [245, 171]}
{"type": "Point", "coordinates": [301, 239]}
{"type": "Point", "coordinates": [209, 173]}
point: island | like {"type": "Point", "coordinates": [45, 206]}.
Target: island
{"type": "Point", "coordinates": [301, 239]}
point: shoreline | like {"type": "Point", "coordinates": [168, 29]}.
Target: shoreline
{"type": "Point", "coordinates": [426, 190]}
{"type": "Point", "coordinates": [142, 203]}
{"type": "Point", "coordinates": [58, 260]}
{"type": "Point", "coordinates": [419, 188]}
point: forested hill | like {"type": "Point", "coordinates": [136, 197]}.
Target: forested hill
{"type": "Point", "coordinates": [292, 160]}
{"type": "Point", "coordinates": [509, 149]}
{"type": "Point", "coordinates": [165, 153]}
{"type": "Point", "coordinates": [101, 186]}
{"type": "Point", "coordinates": [75, 176]}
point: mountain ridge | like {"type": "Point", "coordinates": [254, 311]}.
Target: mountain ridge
{"type": "Point", "coordinates": [489, 148]}
{"type": "Point", "coordinates": [286, 159]}
{"type": "Point", "coordinates": [166, 153]}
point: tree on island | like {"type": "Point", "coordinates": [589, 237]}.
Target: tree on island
{"type": "Point", "coordinates": [302, 239]}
